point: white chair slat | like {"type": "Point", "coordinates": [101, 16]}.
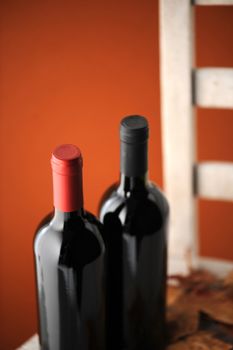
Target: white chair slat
{"type": "Point", "coordinates": [213, 2]}
{"type": "Point", "coordinates": [213, 87]}
{"type": "Point", "coordinates": [215, 180]}
{"type": "Point", "coordinates": [178, 134]}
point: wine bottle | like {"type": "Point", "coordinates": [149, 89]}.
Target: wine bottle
{"type": "Point", "coordinates": [69, 256]}
{"type": "Point", "coordinates": [135, 214]}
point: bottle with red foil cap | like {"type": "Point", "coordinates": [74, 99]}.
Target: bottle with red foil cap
{"type": "Point", "coordinates": [69, 263]}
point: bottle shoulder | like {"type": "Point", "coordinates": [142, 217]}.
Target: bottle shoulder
{"type": "Point", "coordinates": [44, 222]}
{"type": "Point", "coordinates": [83, 230]}
{"type": "Point", "coordinates": [46, 233]}
{"type": "Point", "coordinates": [145, 202]}
{"type": "Point", "coordinates": [110, 200]}
{"type": "Point", "coordinates": [158, 196]}
{"type": "Point", "coordinates": [114, 195]}
{"type": "Point", "coordinates": [43, 227]}
{"type": "Point", "coordinates": [109, 192]}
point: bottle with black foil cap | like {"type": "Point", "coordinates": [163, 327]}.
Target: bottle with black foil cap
{"type": "Point", "coordinates": [135, 215]}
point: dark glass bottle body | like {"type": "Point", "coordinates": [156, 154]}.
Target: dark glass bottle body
{"type": "Point", "coordinates": [69, 261]}
{"type": "Point", "coordinates": [135, 217]}
{"type": "Point", "coordinates": [69, 267]}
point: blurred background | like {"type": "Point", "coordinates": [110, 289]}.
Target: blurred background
{"type": "Point", "coordinates": [69, 71]}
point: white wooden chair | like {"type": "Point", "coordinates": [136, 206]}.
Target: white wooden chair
{"type": "Point", "coordinates": [182, 88]}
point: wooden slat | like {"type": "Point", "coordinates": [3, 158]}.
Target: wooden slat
{"type": "Point", "coordinates": [213, 2]}
{"type": "Point", "coordinates": [215, 180]}
{"type": "Point", "coordinates": [178, 130]}
{"type": "Point", "coordinates": [31, 344]}
{"type": "Point", "coordinates": [213, 87]}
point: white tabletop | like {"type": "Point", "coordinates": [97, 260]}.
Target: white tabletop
{"type": "Point", "coordinates": [31, 344]}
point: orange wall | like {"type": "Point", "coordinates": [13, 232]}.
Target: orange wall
{"type": "Point", "coordinates": [214, 33]}
{"type": "Point", "coordinates": [69, 71]}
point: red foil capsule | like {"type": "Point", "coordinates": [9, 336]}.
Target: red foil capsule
{"type": "Point", "coordinates": [66, 164]}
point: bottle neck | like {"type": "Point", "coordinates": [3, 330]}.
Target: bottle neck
{"type": "Point", "coordinates": [61, 219]}
{"type": "Point", "coordinates": [132, 183]}
{"type": "Point", "coordinates": [134, 165]}
{"type": "Point", "coordinates": [62, 216]}
{"type": "Point", "coordinates": [134, 159]}
{"type": "Point", "coordinates": [67, 193]}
